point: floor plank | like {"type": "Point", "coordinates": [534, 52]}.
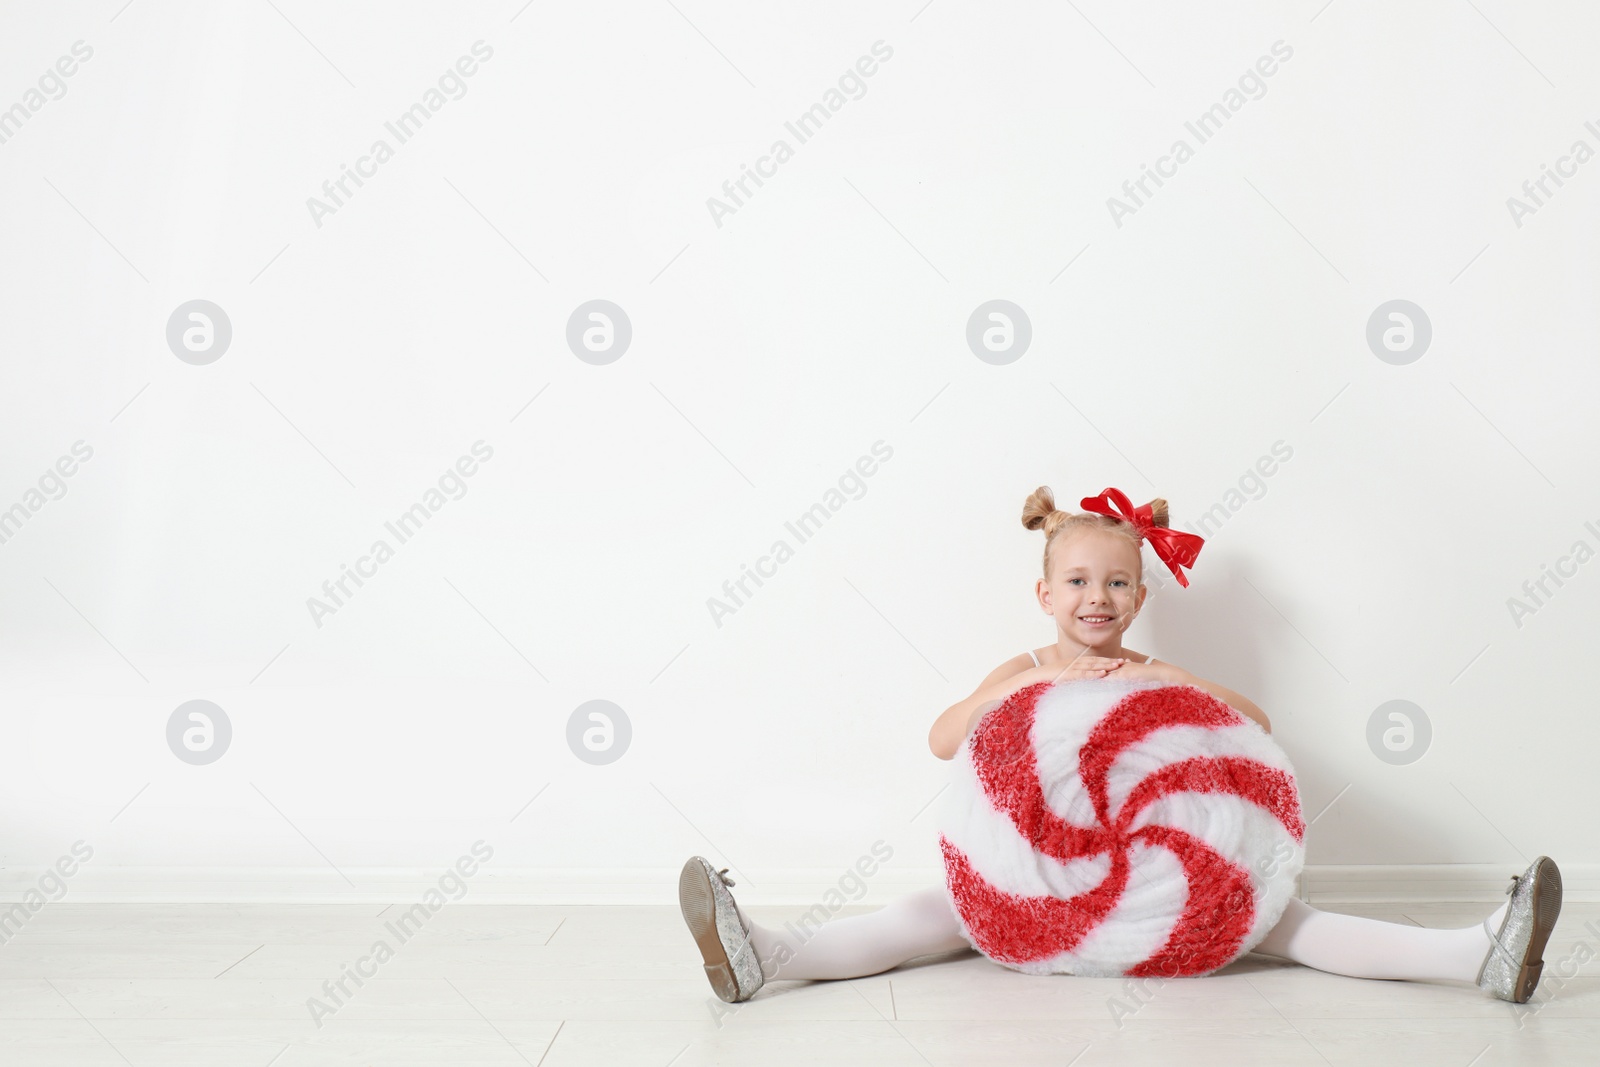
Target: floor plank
{"type": "Point", "coordinates": [550, 986]}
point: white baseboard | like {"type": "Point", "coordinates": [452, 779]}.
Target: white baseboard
{"type": "Point", "coordinates": [1420, 883]}
{"type": "Point", "coordinates": [92, 884]}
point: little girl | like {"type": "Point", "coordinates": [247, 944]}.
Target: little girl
{"type": "Point", "coordinates": [1093, 586]}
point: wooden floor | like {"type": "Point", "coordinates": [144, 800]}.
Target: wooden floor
{"type": "Point", "coordinates": [614, 986]}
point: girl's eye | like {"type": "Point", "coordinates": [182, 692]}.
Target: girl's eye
{"type": "Point", "coordinates": [1119, 581]}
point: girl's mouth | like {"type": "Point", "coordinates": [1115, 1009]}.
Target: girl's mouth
{"type": "Point", "coordinates": [1095, 621]}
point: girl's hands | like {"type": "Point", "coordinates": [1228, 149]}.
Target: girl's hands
{"type": "Point", "coordinates": [1085, 667]}
{"type": "Point", "coordinates": [1082, 667]}
{"type": "Point", "coordinates": [997, 694]}
{"type": "Point", "coordinates": [1102, 667]}
{"type": "Point", "coordinates": [1153, 672]}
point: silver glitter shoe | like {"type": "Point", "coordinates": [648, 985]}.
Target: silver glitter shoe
{"type": "Point", "coordinates": [1516, 955]}
{"type": "Point", "coordinates": [720, 930]}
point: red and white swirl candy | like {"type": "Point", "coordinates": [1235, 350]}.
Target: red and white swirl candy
{"type": "Point", "coordinates": [1103, 827]}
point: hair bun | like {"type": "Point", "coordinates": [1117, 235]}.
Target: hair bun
{"type": "Point", "coordinates": [1039, 512]}
{"type": "Point", "coordinates": [1039, 509]}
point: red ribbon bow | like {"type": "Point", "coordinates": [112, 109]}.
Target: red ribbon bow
{"type": "Point", "coordinates": [1176, 548]}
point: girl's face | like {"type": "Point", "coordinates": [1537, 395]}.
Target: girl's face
{"type": "Point", "coordinates": [1093, 574]}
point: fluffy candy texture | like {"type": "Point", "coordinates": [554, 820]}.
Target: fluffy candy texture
{"type": "Point", "coordinates": [1108, 828]}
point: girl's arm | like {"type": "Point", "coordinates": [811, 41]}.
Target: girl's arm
{"type": "Point", "coordinates": [956, 721]}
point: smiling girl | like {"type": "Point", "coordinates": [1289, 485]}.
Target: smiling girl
{"type": "Point", "coordinates": [1093, 587]}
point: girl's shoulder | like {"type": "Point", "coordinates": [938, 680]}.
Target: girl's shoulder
{"type": "Point", "coordinates": [1006, 671]}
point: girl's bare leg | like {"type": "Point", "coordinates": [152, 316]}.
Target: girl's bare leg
{"type": "Point", "coordinates": [917, 924]}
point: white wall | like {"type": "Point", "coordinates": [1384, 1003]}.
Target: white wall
{"type": "Point", "coordinates": [1170, 355]}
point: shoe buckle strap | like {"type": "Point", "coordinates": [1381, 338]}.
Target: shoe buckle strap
{"type": "Point", "coordinates": [743, 946]}
{"type": "Point", "coordinates": [1495, 941]}
{"type": "Point", "coordinates": [746, 947]}
{"type": "Point", "coordinates": [744, 923]}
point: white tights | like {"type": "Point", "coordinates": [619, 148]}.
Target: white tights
{"type": "Point", "coordinates": [922, 923]}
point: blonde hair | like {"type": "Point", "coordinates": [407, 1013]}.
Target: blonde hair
{"type": "Point", "coordinates": [1039, 512]}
